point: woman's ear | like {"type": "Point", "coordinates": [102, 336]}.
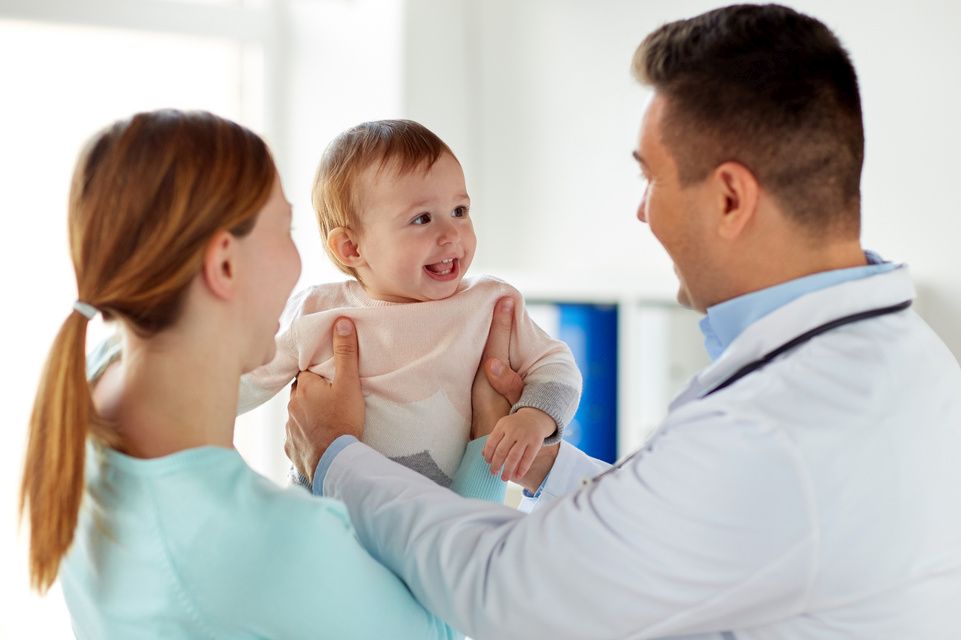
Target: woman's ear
{"type": "Point", "coordinates": [220, 265]}
{"type": "Point", "coordinates": [342, 243]}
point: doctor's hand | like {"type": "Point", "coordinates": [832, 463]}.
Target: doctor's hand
{"type": "Point", "coordinates": [320, 411]}
{"type": "Point", "coordinates": [496, 386]}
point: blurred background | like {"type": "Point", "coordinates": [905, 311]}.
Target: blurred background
{"type": "Point", "coordinates": [536, 99]}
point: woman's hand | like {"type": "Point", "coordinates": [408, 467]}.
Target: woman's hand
{"type": "Point", "coordinates": [320, 411]}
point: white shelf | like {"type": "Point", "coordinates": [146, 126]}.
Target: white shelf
{"type": "Point", "coordinates": [659, 344]}
{"type": "Point", "coordinates": [610, 289]}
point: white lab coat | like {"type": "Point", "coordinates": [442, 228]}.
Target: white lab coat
{"type": "Point", "coordinates": [819, 497]}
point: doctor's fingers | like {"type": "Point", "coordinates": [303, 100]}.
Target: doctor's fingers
{"type": "Point", "coordinates": [347, 373]}
{"type": "Point", "coordinates": [499, 337]}
{"type": "Point", "coordinates": [306, 392]}
{"type": "Point", "coordinates": [295, 443]}
{"type": "Point", "coordinates": [504, 380]}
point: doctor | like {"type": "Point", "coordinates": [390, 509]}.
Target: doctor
{"type": "Point", "coordinates": [806, 484]}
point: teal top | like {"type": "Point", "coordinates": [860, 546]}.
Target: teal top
{"type": "Point", "coordinates": [198, 545]}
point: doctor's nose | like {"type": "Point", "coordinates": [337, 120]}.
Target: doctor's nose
{"type": "Point", "coordinates": [642, 207]}
{"type": "Point", "coordinates": [642, 210]}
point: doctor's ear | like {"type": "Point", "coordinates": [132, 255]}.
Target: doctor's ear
{"type": "Point", "coordinates": [737, 192]}
{"type": "Point", "coordinates": [342, 244]}
{"type": "Point", "coordinates": [220, 265]}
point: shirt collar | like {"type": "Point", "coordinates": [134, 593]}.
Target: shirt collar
{"type": "Point", "coordinates": [726, 321]}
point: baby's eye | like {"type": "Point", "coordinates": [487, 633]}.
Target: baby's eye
{"type": "Point", "coordinates": [423, 218]}
{"type": "Point", "coordinates": [459, 212]}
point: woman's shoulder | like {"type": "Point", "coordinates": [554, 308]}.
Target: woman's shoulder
{"type": "Point", "coordinates": [249, 548]}
{"type": "Point", "coordinates": [292, 504]}
{"type": "Point", "coordinates": [236, 553]}
{"type": "Point", "coordinates": [246, 508]}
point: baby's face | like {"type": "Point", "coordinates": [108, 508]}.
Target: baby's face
{"type": "Point", "coordinates": [416, 238]}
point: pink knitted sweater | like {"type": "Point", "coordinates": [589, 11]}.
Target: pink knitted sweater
{"type": "Point", "coordinates": [417, 364]}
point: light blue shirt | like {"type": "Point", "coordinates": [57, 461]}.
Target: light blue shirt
{"type": "Point", "coordinates": [326, 460]}
{"type": "Point", "coordinates": [726, 321]}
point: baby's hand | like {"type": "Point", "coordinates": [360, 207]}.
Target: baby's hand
{"type": "Point", "coordinates": [515, 441]}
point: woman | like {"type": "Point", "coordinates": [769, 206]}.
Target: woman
{"type": "Point", "coordinates": [180, 231]}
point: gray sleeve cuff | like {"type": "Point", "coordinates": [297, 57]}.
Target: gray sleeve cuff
{"type": "Point", "coordinates": [557, 400]}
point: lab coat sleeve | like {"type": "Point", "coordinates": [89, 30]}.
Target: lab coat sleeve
{"type": "Point", "coordinates": [708, 529]}
{"type": "Point", "coordinates": [572, 470]}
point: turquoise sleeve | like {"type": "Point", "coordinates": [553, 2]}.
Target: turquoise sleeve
{"type": "Point", "coordinates": [473, 478]}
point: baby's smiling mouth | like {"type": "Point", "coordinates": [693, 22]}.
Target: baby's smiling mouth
{"type": "Point", "coordinates": [443, 270]}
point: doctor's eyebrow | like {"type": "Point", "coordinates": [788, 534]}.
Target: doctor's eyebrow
{"type": "Point", "coordinates": [638, 158]}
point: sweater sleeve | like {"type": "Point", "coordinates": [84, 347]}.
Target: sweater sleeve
{"type": "Point", "coordinates": [552, 381]}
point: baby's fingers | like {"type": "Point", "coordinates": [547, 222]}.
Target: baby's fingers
{"type": "Point", "coordinates": [510, 464]}
{"type": "Point", "coordinates": [491, 445]}
{"type": "Point", "coordinates": [500, 454]}
{"type": "Point", "coordinates": [525, 463]}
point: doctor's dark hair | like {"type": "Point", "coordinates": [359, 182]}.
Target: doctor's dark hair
{"type": "Point", "coordinates": [772, 89]}
{"type": "Point", "coordinates": [403, 146]}
{"type": "Point", "coordinates": [148, 196]}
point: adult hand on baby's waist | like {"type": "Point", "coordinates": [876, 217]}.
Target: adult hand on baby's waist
{"type": "Point", "coordinates": [496, 386]}
{"type": "Point", "coordinates": [320, 410]}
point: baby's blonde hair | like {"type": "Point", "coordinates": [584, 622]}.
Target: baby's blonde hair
{"type": "Point", "coordinates": [404, 144]}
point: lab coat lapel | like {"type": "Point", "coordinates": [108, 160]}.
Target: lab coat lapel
{"type": "Point", "coordinates": [797, 317]}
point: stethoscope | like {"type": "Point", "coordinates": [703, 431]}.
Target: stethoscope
{"type": "Point", "coordinates": [766, 359]}
{"type": "Point", "coordinates": [763, 361]}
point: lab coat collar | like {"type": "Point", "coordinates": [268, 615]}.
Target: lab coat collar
{"type": "Point", "coordinates": [799, 316]}
{"type": "Point", "coordinates": [726, 320]}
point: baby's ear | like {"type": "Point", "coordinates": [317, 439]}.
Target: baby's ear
{"type": "Point", "coordinates": [342, 243]}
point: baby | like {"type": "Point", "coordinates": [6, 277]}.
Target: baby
{"type": "Point", "coordinates": [393, 208]}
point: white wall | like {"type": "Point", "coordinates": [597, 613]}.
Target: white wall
{"type": "Point", "coordinates": [551, 112]}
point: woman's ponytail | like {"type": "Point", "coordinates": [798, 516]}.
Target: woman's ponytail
{"type": "Point", "coordinates": [148, 194]}
{"type": "Point", "coordinates": [53, 479]}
